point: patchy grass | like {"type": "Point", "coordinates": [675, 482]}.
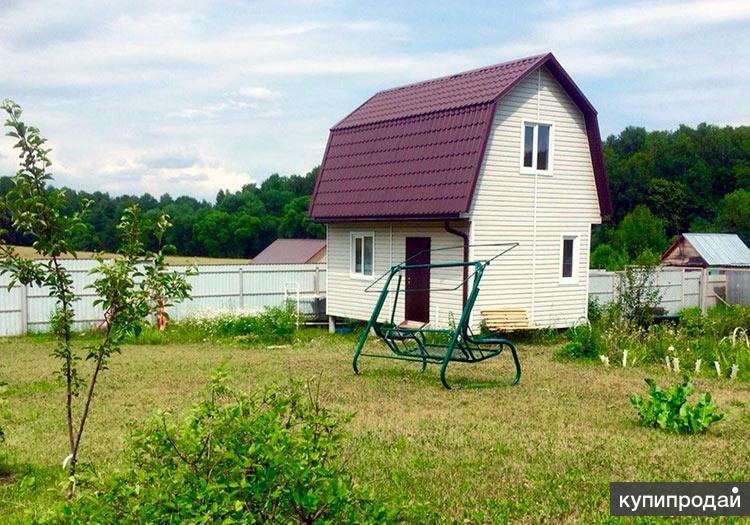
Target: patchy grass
{"type": "Point", "coordinates": [542, 451]}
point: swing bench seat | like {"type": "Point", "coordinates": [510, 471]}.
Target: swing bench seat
{"type": "Point", "coordinates": [415, 341]}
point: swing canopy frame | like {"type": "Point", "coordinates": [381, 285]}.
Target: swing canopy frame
{"type": "Point", "coordinates": [413, 341]}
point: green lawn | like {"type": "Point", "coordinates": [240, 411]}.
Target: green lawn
{"type": "Point", "coordinates": [539, 452]}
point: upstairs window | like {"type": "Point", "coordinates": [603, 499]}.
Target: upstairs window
{"type": "Point", "coordinates": [537, 147]}
{"type": "Point", "coordinates": [363, 254]}
{"type": "Point", "coordinates": [569, 259]}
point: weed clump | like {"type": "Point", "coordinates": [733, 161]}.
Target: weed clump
{"type": "Point", "coordinates": [669, 409]}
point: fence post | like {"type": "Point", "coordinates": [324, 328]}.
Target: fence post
{"type": "Point", "coordinates": [24, 309]}
{"type": "Point", "coordinates": [242, 288]}
{"type": "Point", "coordinates": [682, 289]}
{"type": "Point", "coordinates": [316, 281]}
{"type": "Point", "coordinates": [704, 291]}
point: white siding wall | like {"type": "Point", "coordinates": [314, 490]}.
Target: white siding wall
{"type": "Point", "coordinates": [507, 208]}
{"type": "Point", "coordinates": [345, 294]}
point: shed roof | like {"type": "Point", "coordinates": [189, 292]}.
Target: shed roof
{"type": "Point", "coordinates": [416, 151]}
{"type": "Point", "coordinates": [720, 249]}
{"type": "Point", "coordinates": [290, 251]}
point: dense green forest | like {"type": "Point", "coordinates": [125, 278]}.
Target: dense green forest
{"type": "Point", "coordinates": [238, 224]}
{"type": "Point", "coordinates": [662, 182]}
{"type": "Point", "coordinates": [667, 182]}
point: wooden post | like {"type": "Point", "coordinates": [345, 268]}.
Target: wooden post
{"type": "Point", "coordinates": [242, 288]}
{"type": "Point", "coordinates": [682, 289]}
{"type": "Point", "coordinates": [704, 291]}
{"type": "Point", "coordinates": [316, 281]}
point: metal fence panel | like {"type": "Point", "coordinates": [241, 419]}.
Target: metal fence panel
{"type": "Point", "coordinates": [215, 287]}
{"type": "Point", "coordinates": [738, 287]}
{"type": "Point", "coordinates": [12, 314]}
{"type": "Point", "coordinates": [679, 288]}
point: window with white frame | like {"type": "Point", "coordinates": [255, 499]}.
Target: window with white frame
{"type": "Point", "coordinates": [569, 259]}
{"type": "Point", "coordinates": [363, 254]}
{"type": "Point", "coordinates": [537, 148]}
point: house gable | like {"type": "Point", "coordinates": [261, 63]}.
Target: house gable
{"type": "Point", "coordinates": [415, 152]}
{"type": "Point", "coordinates": [536, 210]}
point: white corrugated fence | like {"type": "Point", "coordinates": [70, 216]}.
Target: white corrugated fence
{"type": "Point", "coordinates": [215, 287]}
{"type": "Point", "coordinates": [257, 286]}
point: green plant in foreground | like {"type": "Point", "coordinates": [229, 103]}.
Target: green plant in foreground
{"type": "Point", "coordinates": [670, 410]}
{"type": "Point", "coordinates": [128, 288]}
{"type": "Point", "coordinates": [264, 458]}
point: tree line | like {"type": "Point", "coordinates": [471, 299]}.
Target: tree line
{"type": "Point", "coordinates": [237, 224]}
{"type": "Point", "coordinates": [662, 183]}
{"type": "Point", "coordinates": [669, 182]}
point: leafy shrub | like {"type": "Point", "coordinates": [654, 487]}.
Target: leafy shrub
{"type": "Point", "coordinates": [720, 321]}
{"type": "Point", "coordinates": [637, 296]}
{"type": "Point", "coordinates": [275, 325]}
{"type": "Point", "coordinates": [604, 257]}
{"type": "Point", "coordinates": [270, 458]}
{"type": "Point", "coordinates": [670, 410]}
{"type": "Point", "coordinates": [585, 342]}
{"type": "Point", "coordinates": [596, 310]}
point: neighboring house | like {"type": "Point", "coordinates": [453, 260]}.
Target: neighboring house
{"type": "Point", "coordinates": [708, 250]}
{"type": "Point", "coordinates": [506, 153]}
{"type": "Point", "coordinates": [293, 251]}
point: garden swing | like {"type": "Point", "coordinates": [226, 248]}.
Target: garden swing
{"type": "Point", "coordinates": [416, 341]}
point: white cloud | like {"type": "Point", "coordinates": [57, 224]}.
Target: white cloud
{"type": "Point", "coordinates": [639, 19]}
{"type": "Point", "coordinates": [167, 172]}
{"type": "Point", "coordinates": [157, 94]}
{"type": "Point", "coordinates": [259, 93]}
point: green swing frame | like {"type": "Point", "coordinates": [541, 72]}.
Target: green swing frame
{"type": "Point", "coordinates": [418, 343]}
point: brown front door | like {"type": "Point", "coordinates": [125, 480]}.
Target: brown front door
{"type": "Point", "coordinates": [418, 280]}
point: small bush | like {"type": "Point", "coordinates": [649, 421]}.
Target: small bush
{"type": "Point", "coordinates": [637, 296]}
{"type": "Point", "coordinates": [276, 325]}
{"type": "Point", "coordinates": [270, 458]}
{"type": "Point", "coordinates": [585, 342]}
{"type": "Point", "coordinates": [670, 410]}
{"type": "Point", "coordinates": [596, 310]}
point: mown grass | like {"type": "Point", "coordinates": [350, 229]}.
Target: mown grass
{"type": "Point", "coordinates": [543, 451]}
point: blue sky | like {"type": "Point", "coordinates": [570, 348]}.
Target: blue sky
{"type": "Point", "coordinates": [191, 97]}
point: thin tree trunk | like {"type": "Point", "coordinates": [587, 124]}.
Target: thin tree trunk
{"type": "Point", "coordinates": [68, 363]}
{"type": "Point", "coordinates": [87, 405]}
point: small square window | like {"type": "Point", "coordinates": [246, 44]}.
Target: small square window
{"type": "Point", "coordinates": [536, 155]}
{"type": "Point", "coordinates": [363, 254]}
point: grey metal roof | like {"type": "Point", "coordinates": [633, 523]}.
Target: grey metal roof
{"type": "Point", "coordinates": [720, 249]}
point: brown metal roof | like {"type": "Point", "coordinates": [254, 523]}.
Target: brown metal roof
{"type": "Point", "coordinates": [416, 151]}
{"type": "Point", "coordinates": [290, 251]}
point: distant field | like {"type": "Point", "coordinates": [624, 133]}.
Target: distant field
{"type": "Point", "coordinates": [29, 253]}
